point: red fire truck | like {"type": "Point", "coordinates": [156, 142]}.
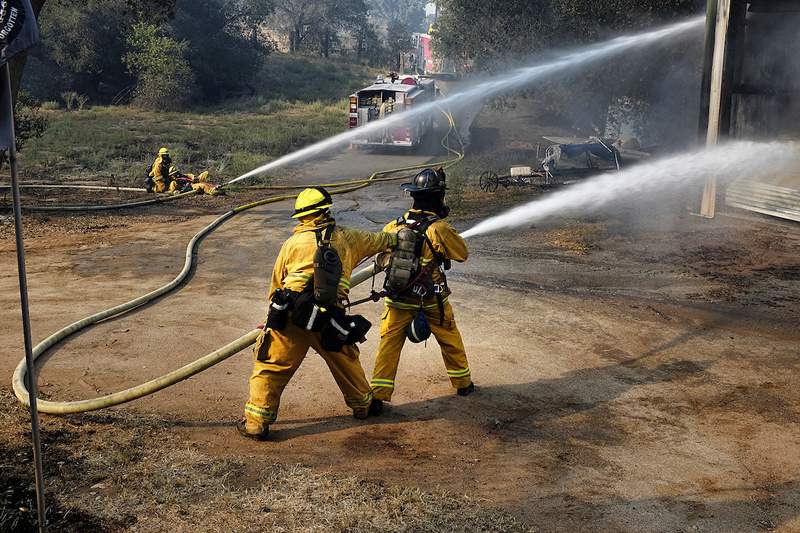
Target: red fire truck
{"type": "Point", "coordinates": [386, 97]}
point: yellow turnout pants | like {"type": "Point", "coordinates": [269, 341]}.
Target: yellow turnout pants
{"type": "Point", "coordinates": [277, 356]}
{"type": "Point", "coordinates": [393, 336]}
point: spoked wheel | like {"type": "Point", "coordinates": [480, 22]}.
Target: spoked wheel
{"type": "Point", "coordinates": [488, 181]}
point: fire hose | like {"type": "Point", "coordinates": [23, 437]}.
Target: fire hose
{"type": "Point", "coordinates": [80, 406]}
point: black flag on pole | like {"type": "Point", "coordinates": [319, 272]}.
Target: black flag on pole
{"type": "Point", "coordinates": [18, 29]}
{"type": "Point", "coordinates": [18, 32]}
{"type": "Point", "coordinates": [6, 113]}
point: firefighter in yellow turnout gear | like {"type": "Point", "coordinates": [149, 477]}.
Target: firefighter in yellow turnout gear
{"type": "Point", "coordinates": [164, 176]}
{"type": "Point", "coordinates": [422, 307]}
{"type": "Point", "coordinates": [158, 179]}
{"type": "Point", "coordinates": [296, 307]}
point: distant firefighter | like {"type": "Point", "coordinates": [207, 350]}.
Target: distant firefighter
{"type": "Point", "coordinates": [165, 177]}
{"type": "Point", "coordinates": [158, 178]}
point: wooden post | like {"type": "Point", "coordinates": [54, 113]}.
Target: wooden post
{"type": "Point", "coordinates": [719, 97]}
{"type": "Point", "coordinates": [708, 61]}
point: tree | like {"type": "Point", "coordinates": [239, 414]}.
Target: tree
{"type": "Point", "coordinates": [93, 58]}
{"type": "Point", "coordinates": [491, 31]}
{"type": "Point", "coordinates": [298, 17]}
{"type": "Point", "coordinates": [338, 17]}
{"type": "Point", "coordinates": [225, 43]}
{"type": "Point", "coordinates": [496, 35]}
{"type": "Point", "coordinates": [408, 13]}
{"type": "Point", "coordinates": [82, 47]}
{"type": "Point", "coordinates": [250, 18]}
{"type": "Point", "coordinates": [164, 78]}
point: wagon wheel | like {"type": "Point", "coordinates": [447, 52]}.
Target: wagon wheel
{"type": "Point", "coordinates": [488, 181]}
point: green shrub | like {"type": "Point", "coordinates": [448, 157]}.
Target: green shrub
{"type": "Point", "coordinates": [164, 78]}
{"type": "Point", "coordinates": [50, 106]}
{"type": "Point", "coordinates": [70, 100]}
{"type": "Point", "coordinates": [29, 123]}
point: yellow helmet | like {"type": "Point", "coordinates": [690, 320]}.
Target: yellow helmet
{"type": "Point", "coordinates": [163, 151]}
{"type": "Point", "coordinates": [312, 201]}
{"type": "Point", "coordinates": [173, 171]}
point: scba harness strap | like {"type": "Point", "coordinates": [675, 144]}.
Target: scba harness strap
{"type": "Point", "coordinates": [405, 275]}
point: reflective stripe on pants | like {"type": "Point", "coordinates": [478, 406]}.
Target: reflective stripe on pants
{"type": "Point", "coordinates": [393, 336]}
{"type": "Point", "coordinates": [278, 355]}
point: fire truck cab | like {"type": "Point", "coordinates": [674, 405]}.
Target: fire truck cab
{"type": "Point", "coordinates": [385, 98]}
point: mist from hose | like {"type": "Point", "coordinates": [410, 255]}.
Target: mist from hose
{"type": "Point", "coordinates": [728, 162]}
{"type": "Point", "coordinates": [493, 86]}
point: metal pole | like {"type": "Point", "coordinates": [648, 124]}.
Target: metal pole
{"type": "Point", "coordinates": [26, 322]}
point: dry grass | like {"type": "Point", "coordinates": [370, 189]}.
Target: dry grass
{"type": "Point", "coordinates": [123, 473]}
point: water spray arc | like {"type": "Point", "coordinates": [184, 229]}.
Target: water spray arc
{"type": "Point", "coordinates": [734, 160]}
{"type": "Point", "coordinates": [493, 86]}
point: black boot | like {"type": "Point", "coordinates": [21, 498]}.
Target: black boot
{"type": "Point", "coordinates": [376, 408]}
{"type": "Point", "coordinates": [260, 436]}
{"type": "Point", "coordinates": [466, 391]}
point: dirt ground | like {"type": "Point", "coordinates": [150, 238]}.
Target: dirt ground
{"type": "Point", "coordinates": [636, 371]}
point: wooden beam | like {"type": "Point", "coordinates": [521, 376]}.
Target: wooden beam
{"type": "Point", "coordinates": [708, 60]}
{"type": "Point", "coordinates": [719, 97]}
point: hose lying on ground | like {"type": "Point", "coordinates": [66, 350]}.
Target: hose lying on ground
{"type": "Point", "coordinates": [72, 186]}
{"type": "Point", "coordinates": [211, 359]}
{"type": "Point", "coordinates": [136, 203]}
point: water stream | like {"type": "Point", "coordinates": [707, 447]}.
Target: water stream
{"type": "Point", "coordinates": [728, 162]}
{"type": "Point", "coordinates": [493, 86]}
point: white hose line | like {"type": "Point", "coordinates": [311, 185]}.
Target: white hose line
{"type": "Point", "coordinates": [84, 187]}
{"type": "Point", "coordinates": [203, 363]}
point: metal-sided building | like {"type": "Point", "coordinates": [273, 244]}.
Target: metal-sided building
{"type": "Point", "coordinates": [751, 90]}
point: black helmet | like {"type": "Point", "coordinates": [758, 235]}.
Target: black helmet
{"type": "Point", "coordinates": [418, 330]}
{"type": "Point", "coordinates": [427, 180]}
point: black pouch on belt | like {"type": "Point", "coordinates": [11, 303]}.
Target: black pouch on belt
{"type": "Point", "coordinates": [306, 313]}
{"type": "Point", "coordinates": [341, 330]}
{"type": "Point", "coordinates": [278, 314]}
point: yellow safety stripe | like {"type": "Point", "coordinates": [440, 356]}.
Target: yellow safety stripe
{"type": "Point", "coordinates": [297, 275]}
{"type": "Point", "coordinates": [363, 402]}
{"type": "Point", "coordinates": [259, 412]}
{"type": "Point", "coordinates": [388, 383]}
{"type": "Point", "coordinates": [344, 282]}
{"type": "Point", "coordinates": [412, 307]}
{"type": "Point", "coordinates": [425, 261]}
{"type": "Point", "coordinates": [458, 373]}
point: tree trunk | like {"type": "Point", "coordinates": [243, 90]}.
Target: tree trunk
{"type": "Point", "coordinates": [295, 37]}
{"type": "Point", "coordinates": [326, 43]}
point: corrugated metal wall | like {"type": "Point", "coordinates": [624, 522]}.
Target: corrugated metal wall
{"type": "Point", "coordinates": [765, 100]}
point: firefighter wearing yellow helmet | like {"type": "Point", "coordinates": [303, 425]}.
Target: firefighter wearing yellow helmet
{"type": "Point", "coordinates": [164, 176]}
{"type": "Point", "coordinates": [158, 179]}
{"type": "Point", "coordinates": [416, 287]}
{"type": "Point", "coordinates": [310, 284]}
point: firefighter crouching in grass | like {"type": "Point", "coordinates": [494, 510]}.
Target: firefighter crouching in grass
{"type": "Point", "coordinates": [310, 284]}
{"type": "Point", "coordinates": [165, 177]}
{"type": "Point", "coordinates": [416, 287]}
{"type": "Point", "coordinates": [158, 179]}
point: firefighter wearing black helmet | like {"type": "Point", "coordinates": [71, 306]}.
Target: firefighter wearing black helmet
{"type": "Point", "coordinates": [419, 306]}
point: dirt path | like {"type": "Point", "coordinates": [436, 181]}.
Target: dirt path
{"type": "Point", "coordinates": [630, 378]}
